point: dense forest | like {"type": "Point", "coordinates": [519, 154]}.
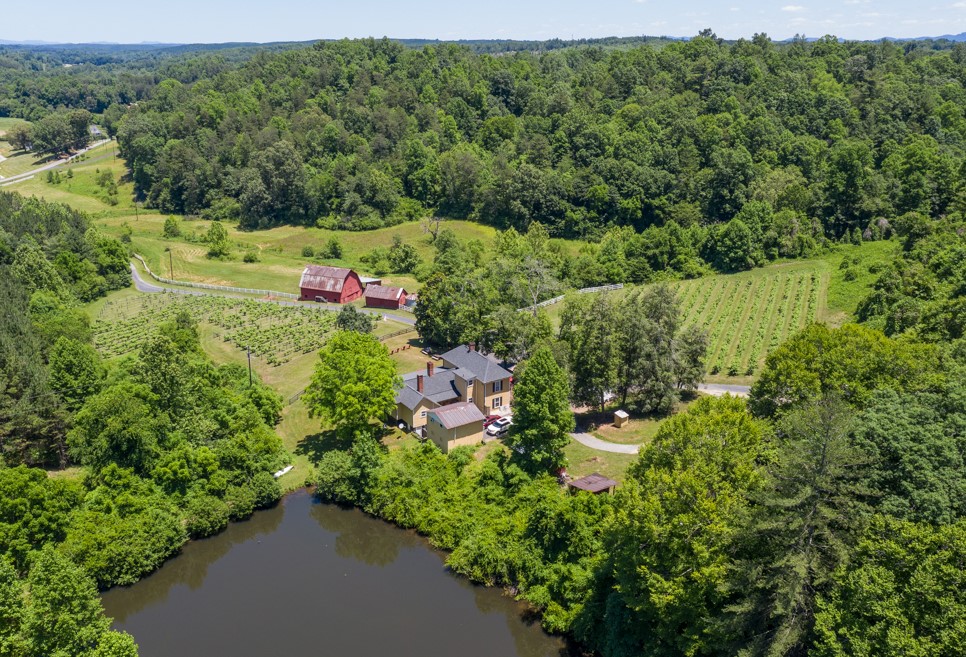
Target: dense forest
{"type": "Point", "coordinates": [172, 446]}
{"type": "Point", "coordinates": [820, 138]}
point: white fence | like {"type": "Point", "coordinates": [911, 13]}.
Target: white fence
{"type": "Point", "coordinates": [586, 290]}
{"type": "Point", "coordinates": [219, 288]}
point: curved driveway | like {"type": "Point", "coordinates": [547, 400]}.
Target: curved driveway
{"type": "Point", "coordinates": [714, 389]}
{"type": "Point", "coordinates": [604, 446]}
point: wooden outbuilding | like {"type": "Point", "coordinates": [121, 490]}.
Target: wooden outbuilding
{"type": "Point", "coordinates": [620, 418]}
{"type": "Point", "coordinates": [594, 483]}
{"type": "Point", "coordinates": [329, 284]}
{"type": "Point", "coordinates": [381, 296]}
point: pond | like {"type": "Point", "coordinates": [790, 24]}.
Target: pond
{"type": "Point", "coordinates": [307, 578]}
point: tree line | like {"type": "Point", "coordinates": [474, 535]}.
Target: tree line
{"type": "Point", "coordinates": [797, 141]}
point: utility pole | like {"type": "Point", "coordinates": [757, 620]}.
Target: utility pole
{"type": "Point", "coordinates": [249, 348]}
{"type": "Point", "coordinates": [170, 264]}
{"type": "Point", "coordinates": [137, 216]}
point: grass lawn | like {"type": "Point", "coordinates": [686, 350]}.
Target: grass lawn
{"type": "Point", "coordinates": [411, 359]}
{"type": "Point", "coordinates": [844, 295]}
{"type": "Point", "coordinates": [582, 461]}
{"type": "Point", "coordinates": [639, 430]}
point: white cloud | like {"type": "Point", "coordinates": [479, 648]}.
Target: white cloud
{"type": "Point", "coordinates": [793, 8]}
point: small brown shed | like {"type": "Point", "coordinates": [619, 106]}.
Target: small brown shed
{"type": "Point", "coordinates": [594, 483]}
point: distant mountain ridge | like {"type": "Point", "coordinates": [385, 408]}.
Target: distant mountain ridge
{"type": "Point", "coordinates": [415, 42]}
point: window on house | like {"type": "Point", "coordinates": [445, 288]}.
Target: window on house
{"type": "Point", "coordinates": [423, 414]}
{"type": "Point", "coordinates": [498, 386]}
{"type": "Point", "coordinates": [470, 400]}
{"type": "Point", "coordinates": [497, 402]}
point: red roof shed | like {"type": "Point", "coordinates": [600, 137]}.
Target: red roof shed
{"type": "Point", "coordinates": [380, 296]}
{"type": "Point", "coordinates": [331, 284]}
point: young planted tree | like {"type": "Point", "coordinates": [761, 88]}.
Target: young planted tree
{"type": "Point", "coordinates": [219, 246]}
{"type": "Point", "coordinates": [542, 418]}
{"type": "Point", "coordinates": [354, 383]}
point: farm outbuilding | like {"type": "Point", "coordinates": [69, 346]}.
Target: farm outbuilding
{"type": "Point", "coordinates": [331, 284]}
{"type": "Point", "coordinates": [381, 296]}
{"type": "Point", "coordinates": [595, 483]}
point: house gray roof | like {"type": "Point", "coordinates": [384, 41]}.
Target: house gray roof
{"type": "Point", "coordinates": [438, 388]}
{"type": "Point", "coordinates": [327, 279]}
{"type": "Point", "coordinates": [383, 292]}
{"type": "Point", "coordinates": [484, 368]}
{"type": "Point", "coordinates": [457, 415]}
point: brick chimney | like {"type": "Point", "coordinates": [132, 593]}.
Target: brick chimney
{"type": "Point", "coordinates": [472, 346]}
{"type": "Point", "coordinates": [429, 368]}
{"type": "Point", "coordinates": [419, 383]}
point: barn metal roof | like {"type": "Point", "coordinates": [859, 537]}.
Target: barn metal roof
{"type": "Point", "coordinates": [383, 292]}
{"type": "Point", "coordinates": [326, 279]}
{"type": "Point", "coordinates": [457, 415]}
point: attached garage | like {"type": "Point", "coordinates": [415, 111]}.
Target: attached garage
{"type": "Point", "coordinates": [330, 284]}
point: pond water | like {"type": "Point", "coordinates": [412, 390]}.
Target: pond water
{"type": "Point", "coordinates": [307, 578]}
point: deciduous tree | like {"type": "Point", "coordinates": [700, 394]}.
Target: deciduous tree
{"type": "Point", "coordinates": [542, 419]}
{"type": "Point", "coordinates": [354, 383]}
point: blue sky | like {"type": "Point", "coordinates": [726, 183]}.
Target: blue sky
{"type": "Point", "coordinates": [283, 20]}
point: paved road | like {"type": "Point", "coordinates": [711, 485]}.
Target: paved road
{"type": "Point", "coordinates": [715, 389]}
{"type": "Point", "coordinates": [719, 389]}
{"type": "Point", "coordinates": [142, 285]}
{"type": "Point", "coordinates": [20, 177]}
{"type": "Point", "coordinates": [603, 445]}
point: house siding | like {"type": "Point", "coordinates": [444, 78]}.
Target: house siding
{"type": "Point", "coordinates": [413, 418]}
{"type": "Point", "coordinates": [447, 439]}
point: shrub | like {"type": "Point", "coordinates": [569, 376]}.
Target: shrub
{"type": "Point", "coordinates": [240, 501]}
{"type": "Point", "coordinates": [172, 228]}
{"type": "Point", "coordinates": [266, 489]}
{"type": "Point", "coordinates": [308, 251]}
{"type": "Point", "coordinates": [205, 515]}
{"type": "Point", "coordinates": [251, 257]}
{"type": "Point", "coordinates": [333, 249]}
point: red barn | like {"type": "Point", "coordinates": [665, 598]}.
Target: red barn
{"type": "Point", "coordinates": [332, 284]}
{"type": "Point", "coordinates": [380, 296]}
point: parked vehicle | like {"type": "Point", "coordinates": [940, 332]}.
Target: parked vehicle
{"type": "Point", "coordinates": [490, 419]}
{"type": "Point", "coordinates": [500, 427]}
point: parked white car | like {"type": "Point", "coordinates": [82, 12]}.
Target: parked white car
{"type": "Point", "coordinates": [500, 427]}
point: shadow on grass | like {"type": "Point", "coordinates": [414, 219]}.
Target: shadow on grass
{"type": "Point", "coordinates": [314, 446]}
